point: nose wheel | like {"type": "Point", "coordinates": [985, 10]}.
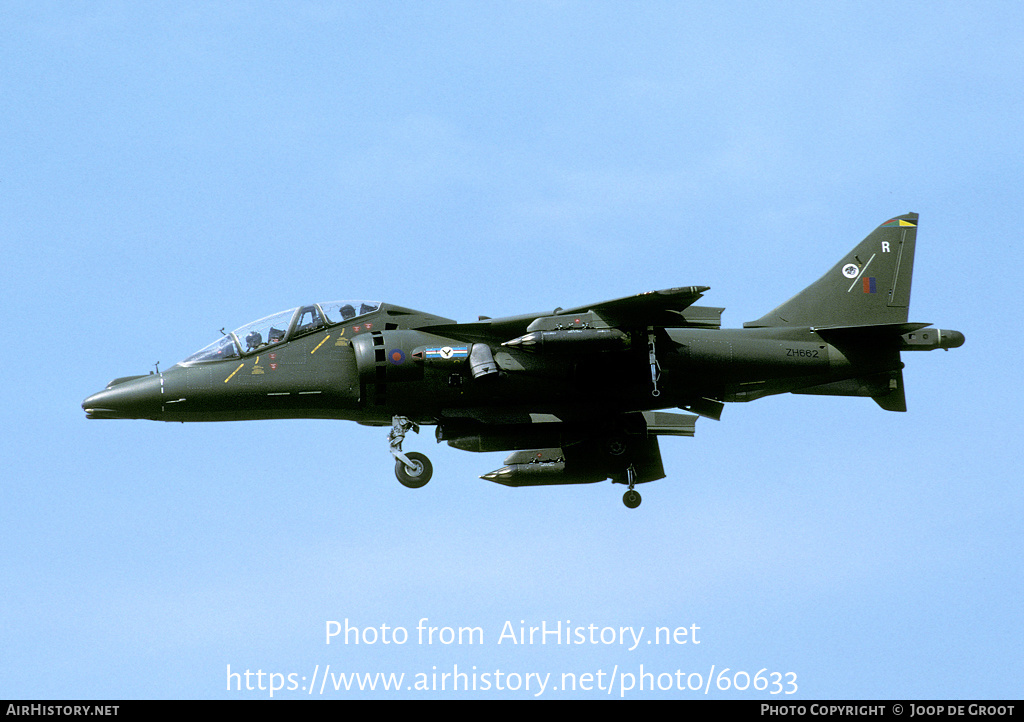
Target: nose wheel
{"type": "Point", "coordinates": [415, 474]}
{"type": "Point", "coordinates": [414, 469]}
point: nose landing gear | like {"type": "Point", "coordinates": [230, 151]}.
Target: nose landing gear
{"type": "Point", "coordinates": [414, 469]}
{"type": "Point", "coordinates": [416, 474]}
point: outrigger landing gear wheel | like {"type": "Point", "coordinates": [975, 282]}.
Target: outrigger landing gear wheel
{"type": "Point", "coordinates": [416, 475]}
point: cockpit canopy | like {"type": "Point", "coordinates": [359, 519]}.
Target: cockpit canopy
{"type": "Point", "coordinates": [279, 327]}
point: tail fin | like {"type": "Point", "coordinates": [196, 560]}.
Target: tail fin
{"type": "Point", "coordinates": [869, 285]}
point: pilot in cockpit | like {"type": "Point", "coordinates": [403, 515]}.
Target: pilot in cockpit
{"type": "Point", "coordinates": [253, 341]}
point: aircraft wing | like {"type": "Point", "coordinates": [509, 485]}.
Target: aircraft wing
{"type": "Point", "coordinates": [490, 330]}
{"type": "Point", "coordinates": [670, 307]}
{"type": "Point", "coordinates": [639, 309]}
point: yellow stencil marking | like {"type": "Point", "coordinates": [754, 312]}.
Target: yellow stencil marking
{"type": "Point", "coordinates": [234, 372]}
{"type": "Point", "coordinates": [321, 343]}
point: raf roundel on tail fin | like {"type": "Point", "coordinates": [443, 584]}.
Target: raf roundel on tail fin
{"type": "Point", "coordinates": [868, 285]}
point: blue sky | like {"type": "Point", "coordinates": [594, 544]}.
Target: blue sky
{"type": "Point", "coordinates": [170, 169]}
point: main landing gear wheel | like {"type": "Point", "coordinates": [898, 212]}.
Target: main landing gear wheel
{"type": "Point", "coordinates": [632, 497]}
{"type": "Point", "coordinates": [416, 475]}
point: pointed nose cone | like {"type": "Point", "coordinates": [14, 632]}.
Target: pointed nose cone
{"type": "Point", "coordinates": [133, 398]}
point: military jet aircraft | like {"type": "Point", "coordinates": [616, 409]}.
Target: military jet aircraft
{"type": "Point", "coordinates": [578, 394]}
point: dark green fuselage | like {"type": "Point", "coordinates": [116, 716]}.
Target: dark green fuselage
{"type": "Point", "coordinates": [583, 389]}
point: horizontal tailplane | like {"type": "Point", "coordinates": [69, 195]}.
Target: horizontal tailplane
{"type": "Point", "coordinates": [885, 388]}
